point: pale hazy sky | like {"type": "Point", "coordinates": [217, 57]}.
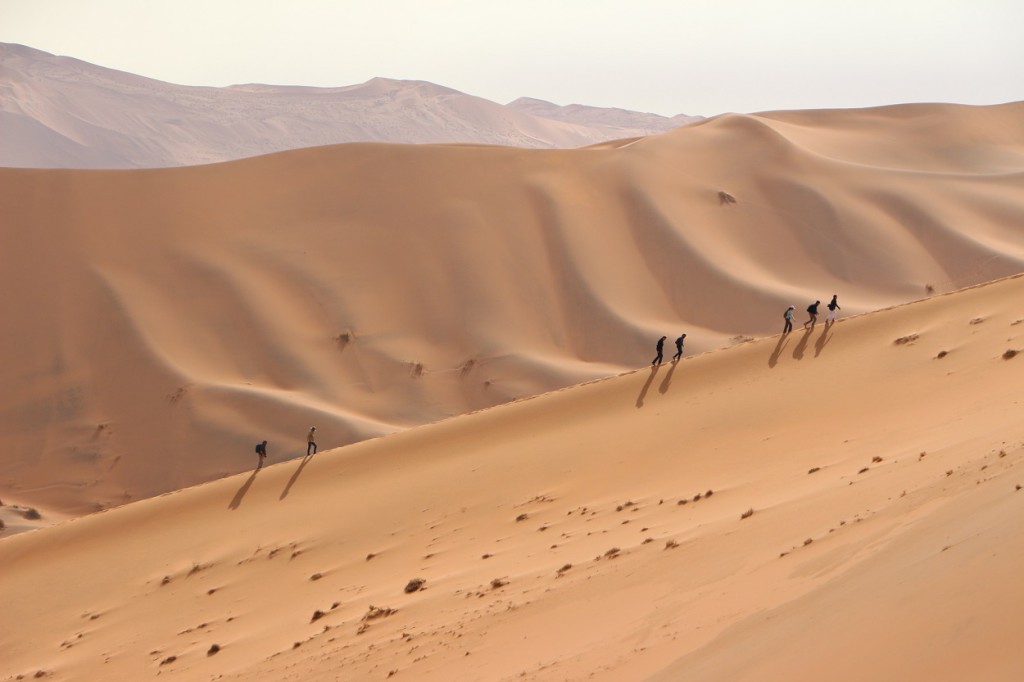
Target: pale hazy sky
{"type": "Point", "coordinates": [663, 56]}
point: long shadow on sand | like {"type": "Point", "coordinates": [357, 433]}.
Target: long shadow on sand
{"type": "Point", "coordinates": [825, 337]}
{"type": "Point", "coordinates": [236, 501]}
{"type": "Point", "coordinates": [295, 476]}
{"type": "Point", "coordinates": [667, 381]}
{"type": "Point", "coordinates": [801, 347]}
{"type": "Point", "coordinates": [647, 386]}
{"type": "Point", "coordinates": [779, 347]}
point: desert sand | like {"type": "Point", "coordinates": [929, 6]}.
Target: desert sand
{"type": "Point", "coordinates": [159, 323]}
{"type": "Point", "coordinates": [842, 503]}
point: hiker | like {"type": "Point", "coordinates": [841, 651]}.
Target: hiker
{"type": "Point", "coordinates": [661, 347]}
{"type": "Point", "coordinates": [261, 450]}
{"type": "Point", "coordinates": [788, 316]}
{"type": "Point", "coordinates": [679, 348]}
{"type": "Point", "coordinates": [833, 308]}
{"type": "Point", "coordinates": [812, 310]}
{"type": "Point", "coordinates": [311, 441]}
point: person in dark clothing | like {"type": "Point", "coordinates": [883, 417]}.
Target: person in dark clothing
{"type": "Point", "coordinates": [661, 348]}
{"type": "Point", "coordinates": [812, 310]}
{"type": "Point", "coordinates": [788, 316]}
{"type": "Point", "coordinates": [679, 348]}
{"type": "Point", "coordinates": [833, 309]}
{"type": "Point", "coordinates": [261, 451]}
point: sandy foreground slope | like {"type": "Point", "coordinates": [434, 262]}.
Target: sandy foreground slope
{"type": "Point", "coordinates": [159, 323]}
{"type": "Point", "coordinates": [839, 504]}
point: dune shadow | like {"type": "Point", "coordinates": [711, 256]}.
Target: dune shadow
{"type": "Point", "coordinates": [825, 337]}
{"type": "Point", "coordinates": [779, 347]}
{"type": "Point", "coordinates": [801, 347]}
{"type": "Point", "coordinates": [236, 501]}
{"type": "Point", "coordinates": [295, 476]}
{"type": "Point", "coordinates": [667, 381]}
{"type": "Point", "coordinates": [647, 386]}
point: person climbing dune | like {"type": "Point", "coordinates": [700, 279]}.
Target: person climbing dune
{"type": "Point", "coordinates": [812, 310]}
{"type": "Point", "coordinates": [311, 441]}
{"type": "Point", "coordinates": [788, 316]}
{"type": "Point", "coordinates": [660, 349]}
{"type": "Point", "coordinates": [833, 309]}
{"type": "Point", "coordinates": [679, 348]}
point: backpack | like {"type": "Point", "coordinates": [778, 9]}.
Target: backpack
{"type": "Point", "coordinates": [812, 308]}
{"type": "Point", "coordinates": [259, 448]}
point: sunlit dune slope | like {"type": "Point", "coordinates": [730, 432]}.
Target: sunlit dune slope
{"type": "Point", "coordinates": [842, 503]}
{"type": "Point", "coordinates": [159, 323]}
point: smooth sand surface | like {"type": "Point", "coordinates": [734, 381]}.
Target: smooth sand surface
{"type": "Point", "coordinates": [159, 323]}
{"type": "Point", "coordinates": [843, 503]}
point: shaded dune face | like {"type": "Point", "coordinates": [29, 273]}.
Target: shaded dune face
{"type": "Point", "coordinates": [162, 322]}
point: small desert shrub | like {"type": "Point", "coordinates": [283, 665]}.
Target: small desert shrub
{"type": "Point", "coordinates": [903, 340]}
{"type": "Point", "coordinates": [375, 612]}
{"type": "Point", "coordinates": [1011, 353]}
{"type": "Point", "coordinates": [747, 514]}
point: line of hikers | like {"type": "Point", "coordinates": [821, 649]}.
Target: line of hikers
{"type": "Point", "coordinates": [261, 448]}
{"type": "Point", "coordinates": [661, 347]}
{"type": "Point", "coordinates": [812, 310]}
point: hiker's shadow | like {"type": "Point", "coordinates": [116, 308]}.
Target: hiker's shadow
{"type": "Point", "coordinates": [779, 347]}
{"type": "Point", "coordinates": [295, 476]}
{"type": "Point", "coordinates": [825, 337]}
{"type": "Point", "coordinates": [647, 386]}
{"type": "Point", "coordinates": [667, 381]}
{"type": "Point", "coordinates": [801, 347]}
{"type": "Point", "coordinates": [236, 501]}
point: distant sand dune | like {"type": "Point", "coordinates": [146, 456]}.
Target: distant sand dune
{"type": "Point", "coordinates": [161, 322]}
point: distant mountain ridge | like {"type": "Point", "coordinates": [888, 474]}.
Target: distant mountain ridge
{"type": "Point", "coordinates": [60, 112]}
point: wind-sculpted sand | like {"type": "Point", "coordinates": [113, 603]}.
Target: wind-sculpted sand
{"type": "Point", "coordinates": [848, 512]}
{"type": "Point", "coordinates": [160, 323]}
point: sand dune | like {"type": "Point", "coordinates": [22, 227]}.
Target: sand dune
{"type": "Point", "coordinates": [58, 112]}
{"type": "Point", "coordinates": [839, 504]}
{"type": "Point", "coordinates": [161, 322]}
